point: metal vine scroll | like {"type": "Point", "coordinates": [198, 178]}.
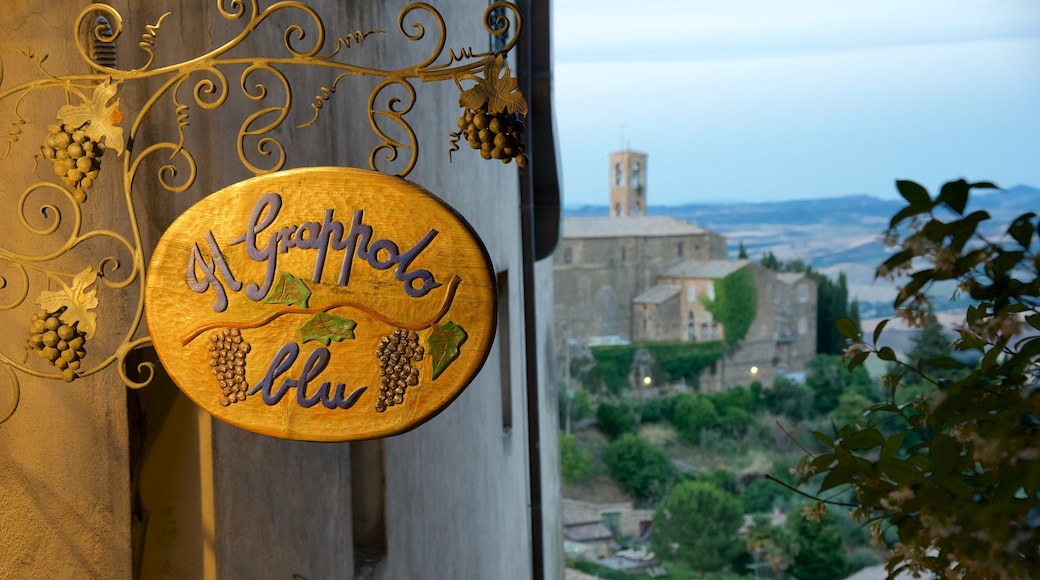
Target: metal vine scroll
{"type": "Point", "coordinates": [92, 133]}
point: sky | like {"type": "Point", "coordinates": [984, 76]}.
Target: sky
{"type": "Point", "coordinates": [767, 100]}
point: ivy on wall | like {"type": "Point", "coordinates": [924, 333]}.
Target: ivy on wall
{"type": "Point", "coordinates": [672, 361]}
{"type": "Point", "coordinates": [735, 304]}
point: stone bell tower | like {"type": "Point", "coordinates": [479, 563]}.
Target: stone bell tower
{"type": "Point", "coordinates": [627, 183]}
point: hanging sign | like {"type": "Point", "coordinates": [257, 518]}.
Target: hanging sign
{"type": "Point", "coordinates": [323, 304]}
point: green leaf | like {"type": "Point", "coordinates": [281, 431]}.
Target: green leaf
{"type": "Point", "coordinates": [886, 353]}
{"type": "Point", "coordinates": [288, 290]}
{"type": "Point", "coordinates": [858, 359]}
{"type": "Point", "coordinates": [443, 345]}
{"type": "Point", "coordinates": [325, 328]}
{"type": "Point", "coordinates": [1022, 229]}
{"type": "Point", "coordinates": [865, 439]}
{"type": "Point", "coordinates": [847, 328]}
{"type": "Point", "coordinates": [913, 193]}
{"type": "Point", "coordinates": [877, 330]}
{"type": "Point", "coordinates": [955, 195]}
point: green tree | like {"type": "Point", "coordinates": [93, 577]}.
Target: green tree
{"type": "Point", "coordinates": [818, 546]}
{"type": "Point", "coordinates": [789, 398]}
{"type": "Point", "coordinates": [742, 252]}
{"type": "Point", "coordinates": [769, 544]}
{"type": "Point", "coordinates": [957, 479]}
{"type": "Point", "coordinates": [734, 409]}
{"type": "Point", "coordinates": [697, 525]}
{"type": "Point", "coordinates": [643, 470]}
{"type": "Point", "coordinates": [575, 462]}
{"type": "Point", "coordinates": [691, 414]}
{"type": "Point", "coordinates": [829, 378]}
{"type": "Point", "coordinates": [614, 420]}
{"type": "Point", "coordinates": [851, 409]}
{"type": "Point", "coordinates": [761, 495]}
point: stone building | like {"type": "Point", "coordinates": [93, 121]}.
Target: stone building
{"type": "Point", "coordinates": [102, 481]}
{"type": "Point", "coordinates": [647, 278]}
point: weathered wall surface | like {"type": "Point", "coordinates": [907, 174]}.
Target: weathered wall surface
{"type": "Point", "coordinates": [64, 476]}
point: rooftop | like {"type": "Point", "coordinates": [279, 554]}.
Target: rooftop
{"type": "Point", "coordinates": [790, 277]}
{"type": "Point", "coordinates": [713, 269]}
{"type": "Point", "coordinates": [657, 294]}
{"type": "Point", "coordinates": [615, 227]}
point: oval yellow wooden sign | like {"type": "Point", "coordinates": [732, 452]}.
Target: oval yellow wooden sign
{"type": "Point", "coordinates": [323, 304]}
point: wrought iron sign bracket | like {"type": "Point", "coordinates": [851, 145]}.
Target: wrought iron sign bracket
{"type": "Point", "coordinates": [85, 139]}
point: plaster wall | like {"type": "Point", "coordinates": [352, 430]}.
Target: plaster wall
{"type": "Point", "coordinates": [64, 476]}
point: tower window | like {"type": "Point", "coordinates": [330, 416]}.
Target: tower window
{"type": "Point", "coordinates": [617, 174]}
{"type": "Point", "coordinates": [635, 174]}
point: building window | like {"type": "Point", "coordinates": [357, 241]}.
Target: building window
{"type": "Point", "coordinates": [617, 174]}
{"type": "Point", "coordinates": [704, 331]}
{"type": "Point", "coordinates": [568, 255]}
{"type": "Point", "coordinates": [617, 210]}
{"type": "Point", "coordinates": [714, 331]}
{"type": "Point", "coordinates": [691, 334]}
{"type": "Point", "coordinates": [691, 295]}
{"type": "Point", "coordinates": [635, 208]}
{"type": "Point", "coordinates": [802, 325]}
{"type": "Point", "coordinates": [635, 174]}
{"type": "Point", "coordinates": [711, 291]}
{"type": "Point", "coordinates": [690, 316]}
{"type": "Point", "coordinates": [678, 249]}
{"type": "Point", "coordinates": [803, 294]}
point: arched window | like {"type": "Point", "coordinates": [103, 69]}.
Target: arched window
{"type": "Point", "coordinates": [635, 208]}
{"type": "Point", "coordinates": [617, 174]}
{"type": "Point", "coordinates": [617, 210]}
{"type": "Point", "coordinates": [635, 174]}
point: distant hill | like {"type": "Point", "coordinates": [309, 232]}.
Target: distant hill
{"type": "Point", "coordinates": [833, 234]}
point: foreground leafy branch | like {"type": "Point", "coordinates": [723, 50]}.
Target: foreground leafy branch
{"type": "Point", "coordinates": [953, 472]}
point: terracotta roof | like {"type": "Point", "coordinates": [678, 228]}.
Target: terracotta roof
{"type": "Point", "coordinates": [638, 226]}
{"type": "Point", "coordinates": [713, 269]}
{"type": "Point", "coordinates": [657, 294]}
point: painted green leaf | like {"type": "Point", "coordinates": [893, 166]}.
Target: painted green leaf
{"type": "Point", "coordinates": [289, 290]}
{"type": "Point", "coordinates": [325, 328]}
{"type": "Point", "coordinates": [443, 345]}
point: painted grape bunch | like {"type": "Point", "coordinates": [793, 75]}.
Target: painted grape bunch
{"type": "Point", "coordinates": [60, 344]}
{"type": "Point", "coordinates": [496, 135]}
{"type": "Point", "coordinates": [227, 358]}
{"type": "Point", "coordinates": [396, 352]}
{"type": "Point", "coordinates": [75, 156]}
